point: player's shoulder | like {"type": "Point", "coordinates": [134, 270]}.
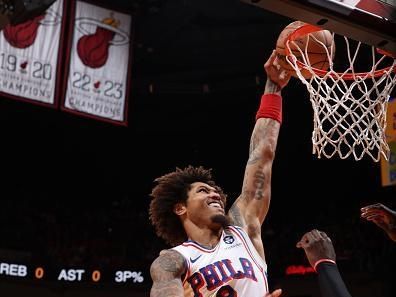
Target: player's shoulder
{"type": "Point", "coordinates": [234, 228]}
{"type": "Point", "coordinates": [169, 261]}
{"type": "Point", "coordinates": [236, 231]}
{"type": "Point", "coordinates": [171, 253]}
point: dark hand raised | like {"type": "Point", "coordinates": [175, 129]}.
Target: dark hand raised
{"type": "Point", "coordinates": [382, 216]}
{"type": "Point", "coordinates": [317, 245]}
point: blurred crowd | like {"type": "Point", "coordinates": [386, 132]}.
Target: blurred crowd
{"type": "Point", "coordinates": [116, 234]}
{"type": "Point", "coordinates": [74, 233]}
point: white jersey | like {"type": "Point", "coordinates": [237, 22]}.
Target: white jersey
{"type": "Point", "coordinates": [232, 268]}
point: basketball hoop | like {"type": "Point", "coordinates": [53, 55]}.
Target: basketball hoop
{"type": "Point", "coordinates": [349, 105]}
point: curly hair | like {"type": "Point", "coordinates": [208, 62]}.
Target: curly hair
{"type": "Point", "coordinates": [173, 188]}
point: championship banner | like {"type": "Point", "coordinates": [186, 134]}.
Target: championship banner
{"type": "Point", "coordinates": [30, 57]}
{"type": "Point", "coordinates": [98, 77]}
{"type": "Point", "coordinates": [388, 168]}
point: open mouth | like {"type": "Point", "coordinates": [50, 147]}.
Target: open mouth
{"type": "Point", "coordinates": [216, 204]}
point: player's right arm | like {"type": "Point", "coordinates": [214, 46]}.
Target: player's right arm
{"type": "Point", "coordinates": [251, 207]}
{"type": "Point", "coordinates": [166, 272]}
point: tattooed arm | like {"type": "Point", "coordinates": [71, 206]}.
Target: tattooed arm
{"type": "Point", "coordinates": [251, 207]}
{"type": "Point", "coordinates": [166, 272]}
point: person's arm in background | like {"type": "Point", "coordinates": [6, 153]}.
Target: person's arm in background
{"type": "Point", "coordinates": [382, 216]}
{"type": "Point", "coordinates": [321, 255]}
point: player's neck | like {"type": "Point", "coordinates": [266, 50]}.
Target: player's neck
{"type": "Point", "coordinates": [206, 237]}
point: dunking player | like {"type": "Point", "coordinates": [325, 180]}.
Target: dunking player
{"type": "Point", "coordinates": [219, 255]}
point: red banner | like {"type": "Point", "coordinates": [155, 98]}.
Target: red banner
{"type": "Point", "coordinates": [30, 57]}
{"type": "Point", "coordinates": [98, 74]}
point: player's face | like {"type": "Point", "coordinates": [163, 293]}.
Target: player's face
{"type": "Point", "coordinates": [204, 202]}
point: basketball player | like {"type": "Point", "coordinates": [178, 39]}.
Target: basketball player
{"type": "Point", "coordinates": [320, 254]}
{"type": "Point", "coordinates": [382, 216]}
{"type": "Point", "coordinates": [215, 254]}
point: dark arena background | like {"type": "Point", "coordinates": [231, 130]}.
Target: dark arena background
{"type": "Point", "coordinates": [75, 190]}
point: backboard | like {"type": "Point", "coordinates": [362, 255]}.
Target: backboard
{"type": "Point", "coordinates": [370, 21]}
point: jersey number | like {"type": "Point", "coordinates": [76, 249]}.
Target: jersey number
{"type": "Point", "coordinates": [226, 291]}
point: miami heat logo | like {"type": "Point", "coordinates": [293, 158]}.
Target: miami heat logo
{"type": "Point", "coordinates": [24, 35]}
{"type": "Point", "coordinates": [93, 47]}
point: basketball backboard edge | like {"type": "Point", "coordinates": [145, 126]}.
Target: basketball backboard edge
{"type": "Point", "coordinates": [369, 21]}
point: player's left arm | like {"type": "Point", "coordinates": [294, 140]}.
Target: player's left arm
{"type": "Point", "coordinates": [251, 207]}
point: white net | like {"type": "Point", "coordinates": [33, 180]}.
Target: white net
{"type": "Point", "coordinates": [349, 107]}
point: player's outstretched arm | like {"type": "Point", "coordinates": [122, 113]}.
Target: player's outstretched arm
{"type": "Point", "coordinates": [251, 207]}
{"type": "Point", "coordinates": [382, 216]}
{"type": "Point", "coordinates": [166, 272]}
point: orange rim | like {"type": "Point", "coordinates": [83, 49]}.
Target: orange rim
{"type": "Point", "coordinates": [306, 29]}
